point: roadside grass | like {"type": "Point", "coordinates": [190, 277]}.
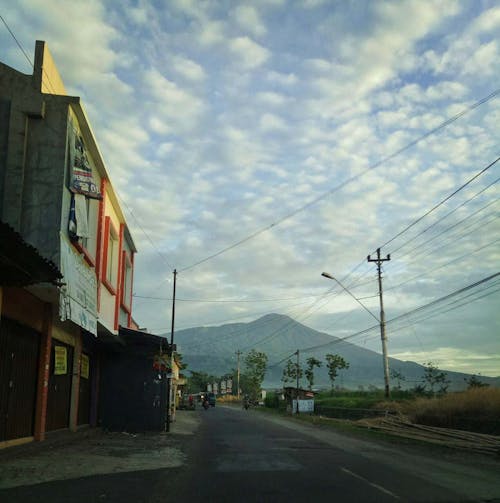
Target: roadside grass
{"type": "Point", "coordinates": [351, 429]}
{"type": "Point", "coordinates": [477, 409]}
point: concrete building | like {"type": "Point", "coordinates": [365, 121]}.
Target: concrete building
{"type": "Point", "coordinates": [56, 194]}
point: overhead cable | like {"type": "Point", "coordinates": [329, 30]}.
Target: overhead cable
{"type": "Point", "coordinates": [348, 181]}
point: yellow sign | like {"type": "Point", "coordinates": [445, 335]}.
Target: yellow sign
{"type": "Point", "coordinates": [60, 360]}
{"type": "Point", "coordinates": [84, 372]}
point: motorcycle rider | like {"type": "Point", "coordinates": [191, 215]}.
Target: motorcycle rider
{"type": "Point", "coordinates": [246, 402]}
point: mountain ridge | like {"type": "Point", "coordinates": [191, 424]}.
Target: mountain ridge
{"type": "Point", "coordinates": [212, 350]}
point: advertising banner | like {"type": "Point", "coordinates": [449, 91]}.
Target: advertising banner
{"type": "Point", "coordinates": [60, 360]}
{"type": "Point", "coordinates": [78, 301]}
{"type": "Point", "coordinates": [304, 406]}
{"type": "Point", "coordinates": [85, 367]}
{"type": "Point", "coordinates": [81, 179]}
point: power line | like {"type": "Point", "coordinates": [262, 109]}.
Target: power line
{"type": "Point", "coordinates": [409, 313]}
{"type": "Point", "coordinates": [421, 250]}
{"type": "Point", "coordinates": [447, 198]}
{"type": "Point", "coordinates": [160, 254]}
{"type": "Point", "coordinates": [418, 276]}
{"type": "Point", "coordinates": [17, 42]}
{"type": "Point", "coordinates": [446, 297]}
{"type": "Point", "coordinates": [51, 86]}
{"type": "Point", "coordinates": [442, 218]}
{"type": "Point", "coordinates": [357, 284]}
{"type": "Point", "coordinates": [478, 224]}
{"type": "Point", "coordinates": [230, 301]}
{"type": "Point", "coordinates": [348, 181]}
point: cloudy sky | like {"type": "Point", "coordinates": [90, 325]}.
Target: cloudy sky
{"type": "Point", "coordinates": [255, 145]}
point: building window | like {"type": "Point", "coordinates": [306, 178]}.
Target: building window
{"type": "Point", "coordinates": [82, 225]}
{"type": "Point", "coordinates": [111, 251]}
{"type": "Point", "coordinates": [127, 282]}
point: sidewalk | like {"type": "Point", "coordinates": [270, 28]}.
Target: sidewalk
{"type": "Point", "coordinates": [95, 452]}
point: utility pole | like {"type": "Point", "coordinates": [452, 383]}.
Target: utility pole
{"type": "Point", "coordinates": [383, 336]}
{"type": "Point", "coordinates": [238, 353]}
{"type": "Point", "coordinates": [298, 370]}
{"type": "Point", "coordinates": [171, 353]}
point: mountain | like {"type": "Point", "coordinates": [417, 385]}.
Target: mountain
{"type": "Point", "coordinates": [213, 350]}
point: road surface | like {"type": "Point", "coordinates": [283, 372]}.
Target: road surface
{"type": "Point", "coordinates": [243, 456]}
{"type": "Point", "coordinates": [249, 456]}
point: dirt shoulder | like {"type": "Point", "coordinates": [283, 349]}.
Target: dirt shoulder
{"type": "Point", "coordinates": [96, 452]}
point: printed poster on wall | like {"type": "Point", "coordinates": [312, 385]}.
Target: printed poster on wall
{"type": "Point", "coordinates": [84, 367]}
{"type": "Point", "coordinates": [81, 178]}
{"type": "Point", "coordinates": [60, 360]}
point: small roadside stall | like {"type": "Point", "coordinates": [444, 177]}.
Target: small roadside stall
{"type": "Point", "coordinates": [298, 397]}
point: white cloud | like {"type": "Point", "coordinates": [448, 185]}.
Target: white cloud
{"type": "Point", "coordinates": [212, 32]}
{"type": "Point", "coordinates": [248, 18]}
{"type": "Point", "coordinates": [176, 109]}
{"type": "Point", "coordinates": [188, 68]}
{"type": "Point", "coordinates": [271, 122]}
{"type": "Point", "coordinates": [272, 98]}
{"type": "Point", "coordinates": [487, 21]}
{"type": "Point", "coordinates": [284, 79]}
{"type": "Point", "coordinates": [248, 54]}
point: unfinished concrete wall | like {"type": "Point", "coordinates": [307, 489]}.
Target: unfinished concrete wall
{"type": "Point", "coordinates": [33, 149]}
{"type": "Point", "coordinates": [45, 164]}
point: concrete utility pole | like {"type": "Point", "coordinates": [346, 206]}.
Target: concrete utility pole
{"type": "Point", "coordinates": [238, 353]}
{"type": "Point", "coordinates": [171, 354]}
{"type": "Point", "coordinates": [379, 261]}
{"type": "Point", "coordinates": [298, 369]}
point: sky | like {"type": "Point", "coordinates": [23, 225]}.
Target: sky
{"type": "Point", "coordinates": [255, 145]}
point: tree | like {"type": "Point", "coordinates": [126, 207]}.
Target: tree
{"type": "Point", "coordinates": [474, 382]}
{"type": "Point", "coordinates": [255, 370]}
{"type": "Point", "coordinates": [198, 381]}
{"type": "Point", "coordinates": [398, 377]}
{"type": "Point", "coordinates": [435, 377]}
{"type": "Point", "coordinates": [334, 363]}
{"type": "Point", "coordinates": [290, 372]}
{"type": "Point", "coordinates": [311, 363]}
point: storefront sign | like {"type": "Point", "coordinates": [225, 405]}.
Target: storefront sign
{"type": "Point", "coordinates": [60, 360]}
{"type": "Point", "coordinates": [85, 367]}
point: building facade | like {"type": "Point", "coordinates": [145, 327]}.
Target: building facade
{"type": "Point", "coordinates": [55, 192]}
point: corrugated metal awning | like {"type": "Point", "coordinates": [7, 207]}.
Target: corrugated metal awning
{"type": "Point", "coordinates": [20, 263]}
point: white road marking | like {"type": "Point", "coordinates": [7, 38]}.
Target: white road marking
{"type": "Point", "coordinates": [380, 488]}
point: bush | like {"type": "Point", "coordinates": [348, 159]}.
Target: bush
{"type": "Point", "coordinates": [272, 401]}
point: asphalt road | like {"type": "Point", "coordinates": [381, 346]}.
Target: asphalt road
{"type": "Point", "coordinates": [247, 456]}
{"type": "Point", "coordinates": [243, 456]}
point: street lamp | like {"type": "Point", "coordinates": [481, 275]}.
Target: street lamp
{"type": "Point", "coordinates": [329, 276]}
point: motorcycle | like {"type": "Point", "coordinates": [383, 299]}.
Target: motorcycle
{"type": "Point", "coordinates": [206, 405]}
